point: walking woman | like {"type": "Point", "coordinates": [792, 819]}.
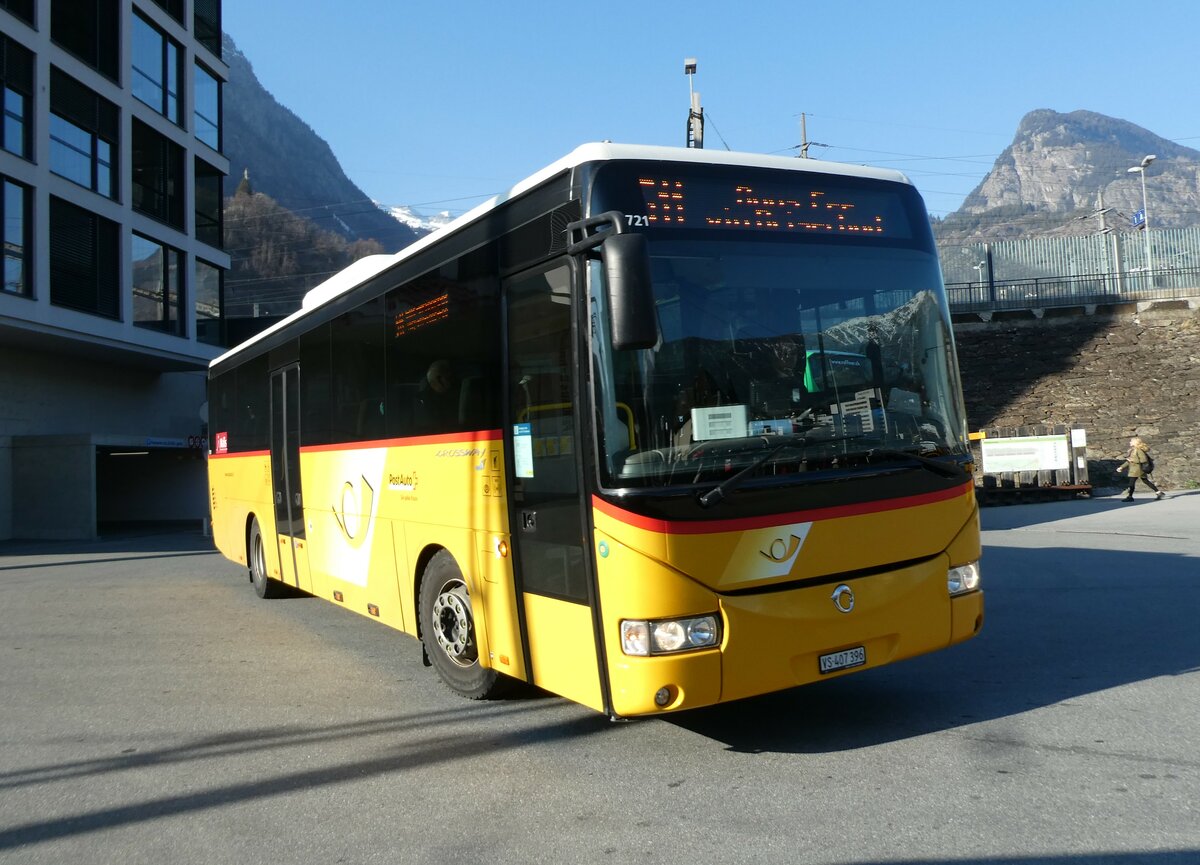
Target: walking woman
{"type": "Point", "coordinates": [1140, 465]}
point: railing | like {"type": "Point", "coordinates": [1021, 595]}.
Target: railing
{"type": "Point", "coordinates": [1093, 289]}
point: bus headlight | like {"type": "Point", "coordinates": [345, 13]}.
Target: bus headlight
{"type": "Point", "coordinates": [964, 578]}
{"type": "Point", "coordinates": [665, 636]}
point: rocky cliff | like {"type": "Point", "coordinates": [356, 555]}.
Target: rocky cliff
{"type": "Point", "coordinates": [1061, 170]}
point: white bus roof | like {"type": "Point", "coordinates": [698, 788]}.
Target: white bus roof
{"type": "Point", "coordinates": [365, 268]}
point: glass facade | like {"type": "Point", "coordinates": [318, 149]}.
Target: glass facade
{"type": "Point", "coordinates": [16, 80]}
{"type": "Point", "coordinates": [16, 126]}
{"type": "Point", "coordinates": [157, 274]}
{"type": "Point", "coordinates": [207, 116]}
{"type": "Point", "coordinates": [132, 128]}
{"type": "Point", "coordinates": [15, 204]}
{"type": "Point", "coordinates": [207, 288]}
{"type": "Point", "coordinates": [83, 135]}
{"type": "Point", "coordinates": [157, 69]}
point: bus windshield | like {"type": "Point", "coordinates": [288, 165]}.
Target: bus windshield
{"type": "Point", "coordinates": [821, 354]}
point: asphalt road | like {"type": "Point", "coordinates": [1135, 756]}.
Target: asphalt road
{"type": "Point", "coordinates": [153, 710]}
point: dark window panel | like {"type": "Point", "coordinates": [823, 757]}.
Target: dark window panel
{"type": "Point", "coordinates": [315, 387]}
{"type": "Point", "coordinates": [84, 260]}
{"type": "Point", "coordinates": [89, 29]}
{"type": "Point", "coordinates": [22, 9]}
{"type": "Point", "coordinates": [206, 24]}
{"type": "Point", "coordinates": [174, 8]}
{"type": "Point", "coordinates": [209, 204]}
{"type": "Point", "coordinates": [158, 183]}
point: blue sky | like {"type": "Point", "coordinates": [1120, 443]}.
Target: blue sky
{"type": "Point", "coordinates": [440, 104]}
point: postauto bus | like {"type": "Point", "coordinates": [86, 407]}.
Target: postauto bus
{"type": "Point", "coordinates": [655, 429]}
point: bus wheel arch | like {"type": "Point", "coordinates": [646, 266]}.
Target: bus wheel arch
{"type": "Point", "coordinates": [256, 561]}
{"type": "Point", "coordinates": [446, 628]}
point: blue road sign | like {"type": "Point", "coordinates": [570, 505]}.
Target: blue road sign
{"type": "Point", "coordinates": [1139, 218]}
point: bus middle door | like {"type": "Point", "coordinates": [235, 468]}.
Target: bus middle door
{"type": "Point", "coordinates": [285, 477]}
{"type": "Point", "coordinates": [546, 497]}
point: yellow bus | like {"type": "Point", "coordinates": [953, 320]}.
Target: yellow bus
{"type": "Point", "coordinates": [567, 440]}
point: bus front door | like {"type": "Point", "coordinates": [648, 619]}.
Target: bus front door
{"type": "Point", "coordinates": [285, 477]}
{"type": "Point", "coordinates": [547, 517]}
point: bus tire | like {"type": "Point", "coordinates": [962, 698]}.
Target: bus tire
{"type": "Point", "coordinates": [448, 631]}
{"type": "Point", "coordinates": [256, 555]}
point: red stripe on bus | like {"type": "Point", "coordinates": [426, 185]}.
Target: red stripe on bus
{"type": "Point", "coordinates": [703, 527]}
{"type": "Point", "coordinates": [225, 456]}
{"type": "Point", "coordinates": [443, 438]}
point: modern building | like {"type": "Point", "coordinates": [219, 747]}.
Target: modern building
{"type": "Point", "coordinates": [110, 308]}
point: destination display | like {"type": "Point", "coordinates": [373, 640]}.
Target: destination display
{"type": "Point", "coordinates": [775, 205]}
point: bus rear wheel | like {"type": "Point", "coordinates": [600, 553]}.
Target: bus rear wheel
{"type": "Point", "coordinates": [448, 631]}
{"type": "Point", "coordinates": [256, 554]}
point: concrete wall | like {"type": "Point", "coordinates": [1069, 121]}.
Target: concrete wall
{"type": "Point", "coordinates": [58, 414]}
{"type": "Point", "coordinates": [46, 394]}
{"type": "Point", "coordinates": [53, 483]}
{"type": "Point", "coordinates": [1117, 373]}
{"type": "Point", "coordinates": [6, 483]}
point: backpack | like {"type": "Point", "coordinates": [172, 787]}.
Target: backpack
{"type": "Point", "coordinates": [1148, 465]}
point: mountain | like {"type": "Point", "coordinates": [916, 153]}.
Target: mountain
{"type": "Point", "coordinates": [287, 161]}
{"type": "Point", "coordinates": [419, 222]}
{"type": "Point", "coordinates": [1061, 170]}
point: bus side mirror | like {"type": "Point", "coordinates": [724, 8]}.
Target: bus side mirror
{"type": "Point", "coordinates": [630, 291]}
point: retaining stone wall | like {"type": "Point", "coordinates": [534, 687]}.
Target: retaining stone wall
{"type": "Point", "coordinates": [1116, 372]}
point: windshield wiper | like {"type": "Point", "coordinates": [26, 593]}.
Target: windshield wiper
{"type": "Point", "coordinates": [717, 494]}
{"type": "Point", "coordinates": [946, 470]}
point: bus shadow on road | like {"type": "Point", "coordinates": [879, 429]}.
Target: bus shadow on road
{"type": "Point", "coordinates": [1060, 624]}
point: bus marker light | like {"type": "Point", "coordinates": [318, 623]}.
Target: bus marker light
{"type": "Point", "coordinates": [635, 637]}
{"type": "Point", "coordinates": [373, 610]}
{"type": "Point", "coordinates": [339, 597]}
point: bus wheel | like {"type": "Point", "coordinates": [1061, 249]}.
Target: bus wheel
{"type": "Point", "coordinates": [264, 586]}
{"type": "Point", "coordinates": [448, 631]}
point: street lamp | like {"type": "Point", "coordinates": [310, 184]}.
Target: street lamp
{"type": "Point", "coordinates": [1141, 169]}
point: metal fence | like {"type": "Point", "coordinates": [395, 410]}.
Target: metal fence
{"type": "Point", "coordinates": [1088, 290]}
{"type": "Point", "coordinates": [1069, 271]}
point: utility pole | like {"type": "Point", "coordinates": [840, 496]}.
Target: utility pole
{"type": "Point", "coordinates": [695, 123]}
{"type": "Point", "coordinates": [804, 142]}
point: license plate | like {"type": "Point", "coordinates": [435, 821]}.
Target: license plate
{"type": "Point", "coordinates": [842, 660]}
